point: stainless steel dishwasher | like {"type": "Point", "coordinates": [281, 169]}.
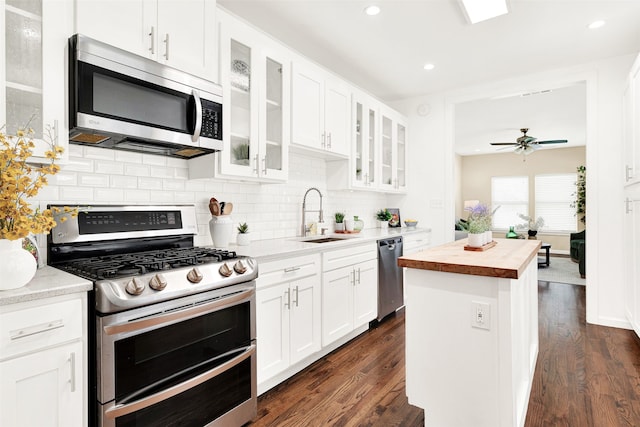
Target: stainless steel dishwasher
{"type": "Point", "coordinates": [390, 282]}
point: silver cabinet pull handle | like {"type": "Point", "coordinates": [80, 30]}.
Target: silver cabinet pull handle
{"type": "Point", "coordinates": [255, 162]}
{"type": "Point", "coordinates": [72, 377]}
{"type": "Point", "coordinates": [288, 303]}
{"type": "Point", "coordinates": [151, 34]}
{"type": "Point", "coordinates": [37, 329]}
{"type": "Point", "coordinates": [296, 300]}
{"type": "Point", "coordinates": [358, 276]}
{"type": "Point", "coordinates": [324, 138]}
{"type": "Point", "coordinates": [627, 205]}
{"type": "Point", "coordinates": [264, 165]}
{"type": "Point", "coordinates": [166, 47]}
{"type": "Point", "coordinates": [329, 140]}
{"type": "Point", "coordinates": [628, 173]}
{"type": "Point", "coordinates": [291, 269]}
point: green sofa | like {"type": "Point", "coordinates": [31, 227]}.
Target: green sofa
{"type": "Point", "coordinates": [577, 244]}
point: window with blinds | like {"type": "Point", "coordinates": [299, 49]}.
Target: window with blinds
{"type": "Point", "coordinates": [554, 194]}
{"type": "Point", "coordinates": [511, 193]}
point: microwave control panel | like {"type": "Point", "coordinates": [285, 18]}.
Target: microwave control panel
{"type": "Point", "coordinates": [211, 119]}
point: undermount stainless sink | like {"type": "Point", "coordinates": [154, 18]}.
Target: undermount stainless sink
{"type": "Point", "coordinates": [324, 240]}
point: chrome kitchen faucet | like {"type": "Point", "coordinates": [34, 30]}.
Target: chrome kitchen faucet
{"type": "Point", "coordinates": [304, 228]}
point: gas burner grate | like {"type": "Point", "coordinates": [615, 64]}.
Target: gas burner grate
{"type": "Point", "coordinates": [133, 264]}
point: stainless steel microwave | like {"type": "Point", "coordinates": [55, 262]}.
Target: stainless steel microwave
{"type": "Point", "coordinates": [124, 101]}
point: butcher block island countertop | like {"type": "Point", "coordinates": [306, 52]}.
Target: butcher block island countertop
{"type": "Point", "coordinates": [507, 259]}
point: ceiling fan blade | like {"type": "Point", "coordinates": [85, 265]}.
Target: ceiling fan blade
{"type": "Point", "coordinates": [503, 143]}
{"type": "Point", "coordinates": [554, 141]}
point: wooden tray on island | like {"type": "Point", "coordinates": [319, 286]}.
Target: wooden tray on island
{"type": "Point", "coordinates": [484, 247]}
{"type": "Point", "coordinates": [347, 232]}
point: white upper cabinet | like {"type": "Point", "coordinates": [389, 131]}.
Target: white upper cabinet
{"type": "Point", "coordinates": [320, 114]}
{"type": "Point", "coordinates": [365, 141]}
{"type": "Point", "coordinates": [33, 46]}
{"type": "Point", "coordinates": [180, 34]}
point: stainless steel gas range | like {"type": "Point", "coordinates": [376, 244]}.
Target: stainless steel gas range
{"type": "Point", "coordinates": [174, 324]}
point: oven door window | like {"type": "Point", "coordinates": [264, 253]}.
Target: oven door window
{"type": "Point", "coordinates": [197, 406]}
{"type": "Point", "coordinates": [154, 360]}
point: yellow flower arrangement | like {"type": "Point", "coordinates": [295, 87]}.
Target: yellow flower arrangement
{"type": "Point", "coordinates": [20, 181]}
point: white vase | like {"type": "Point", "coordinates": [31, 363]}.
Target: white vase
{"type": "Point", "coordinates": [475, 240]}
{"type": "Point", "coordinates": [221, 228]}
{"type": "Point", "coordinates": [17, 267]}
{"type": "Point", "coordinates": [243, 239]}
{"type": "Point", "coordinates": [488, 236]}
{"type": "Point", "coordinates": [383, 224]}
{"type": "Point", "coordinates": [339, 226]}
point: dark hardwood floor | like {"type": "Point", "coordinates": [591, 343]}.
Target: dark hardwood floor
{"type": "Point", "coordinates": [586, 375]}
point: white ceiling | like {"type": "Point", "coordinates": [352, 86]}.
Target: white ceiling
{"type": "Point", "coordinates": [385, 54]}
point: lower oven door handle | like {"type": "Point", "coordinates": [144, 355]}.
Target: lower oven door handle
{"type": "Point", "coordinates": [186, 313]}
{"type": "Point", "coordinates": [120, 410]}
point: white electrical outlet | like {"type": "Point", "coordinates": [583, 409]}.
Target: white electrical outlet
{"type": "Point", "coordinates": [480, 315]}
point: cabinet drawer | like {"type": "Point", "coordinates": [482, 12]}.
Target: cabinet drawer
{"type": "Point", "coordinates": [285, 270]}
{"type": "Point", "coordinates": [348, 256]}
{"type": "Point", "coordinates": [41, 326]}
{"type": "Point", "coordinates": [415, 242]}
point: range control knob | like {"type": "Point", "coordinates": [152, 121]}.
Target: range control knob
{"type": "Point", "coordinates": [135, 286]}
{"type": "Point", "coordinates": [239, 267]}
{"type": "Point", "coordinates": [225, 270]}
{"type": "Point", "coordinates": [194, 276]}
{"type": "Point", "coordinates": [158, 282]}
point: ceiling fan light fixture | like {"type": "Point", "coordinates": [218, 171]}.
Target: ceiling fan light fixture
{"type": "Point", "coordinates": [481, 10]}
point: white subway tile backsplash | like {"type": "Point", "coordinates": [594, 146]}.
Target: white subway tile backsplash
{"type": "Point", "coordinates": [99, 153]}
{"type": "Point", "coordinates": [95, 175]}
{"type": "Point", "coordinates": [75, 150]}
{"type": "Point", "coordinates": [146, 183]}
{"type": "Point", "coordinates": [93, 180]}
{"type": "Point", "coordinates": [122, 181]}
{"type": "Point", "coordinates": [128, 157]}
{"type": "Point", "coordinates": [104, 166]}
{"type": "Point", "coordinates": [137, 170]}
{"type": "Point", "coordinates": [108, 195]}
{"type": "Point", "coordinates": [149, 159]}
{"type": "Point", "coordinates": [79, 194]}
{"type": "Point", "coordinates": [137, 196]}
{"type": "Point", "coordinates": [77, 164]}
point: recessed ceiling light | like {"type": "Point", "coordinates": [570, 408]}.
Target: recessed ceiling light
{"type": "Point", "coordinates": [372, 10]}
{"type": "Point", "coordinates": [595, 24]}
{"type": "Point", "coordinates": [481, 10]}
{"type": "Point", "coordinates": [429, 67]}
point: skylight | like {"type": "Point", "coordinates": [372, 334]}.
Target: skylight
{"type": "Point", "coordinates": [481, 10]}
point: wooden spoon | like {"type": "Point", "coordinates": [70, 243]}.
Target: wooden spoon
{"type": "Point", "coordinates": [228, 208]}
{"type": "Point", "coordinates": [214, 206]}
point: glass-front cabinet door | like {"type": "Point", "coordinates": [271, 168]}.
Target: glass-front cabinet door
{"type": "Point", "coordinates": [255, 85]}
{"type": "Point", "coordinates": [365, 142]}
{"type": "Point", "coordinates": [393, 152]}
{"type": "Point", "coordinates": [33, 46]}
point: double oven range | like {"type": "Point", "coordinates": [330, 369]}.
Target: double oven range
{"type": "Point", "coordinates": [172, 326]}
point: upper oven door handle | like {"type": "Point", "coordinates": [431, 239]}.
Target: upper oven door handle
{"type": "Point", "coordinates": [183, 314]}
{"type": "Point", "coordinates": [120, 410]}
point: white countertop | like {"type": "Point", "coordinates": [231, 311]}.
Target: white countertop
{"type": "Point", "coordinates": [48, 282]}
{"type": "Point", "coordinates": [264, 250]}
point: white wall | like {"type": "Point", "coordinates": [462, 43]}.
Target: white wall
{"type": "Point", "coordinates": [432, 170]}
{"type": "Point", "coordinates": [100, 176]}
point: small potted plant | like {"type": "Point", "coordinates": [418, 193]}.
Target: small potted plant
{"type": "Point", "coordinates": [243, 238]}
{"type": "Point", "coordinates": [531, 225]}
{"type": "Point", "coordinates": [339, 221]}
{"type": "Point", "coordinates": [383, 216]}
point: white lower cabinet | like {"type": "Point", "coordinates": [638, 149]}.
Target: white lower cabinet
{"type": "Point", "coordinates": [288, 314]}
{"type": "Point", "coordinates": [415, 242]}
{"type": "Point", "coordinates": [349, 290]}
{"type": "Point", "coordinates": [44, 388]}
{"type": "Point", "coordinates": [43, 363]}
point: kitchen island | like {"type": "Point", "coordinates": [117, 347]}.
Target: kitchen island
{"type": "Point", "coordinates": [472, 332]}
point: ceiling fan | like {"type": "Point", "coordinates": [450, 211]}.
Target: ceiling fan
{"type": "Point", "coordinates": [528, 144]}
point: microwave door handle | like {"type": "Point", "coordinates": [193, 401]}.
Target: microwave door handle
{"type": "Point", "coordinates": [198, 125]}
